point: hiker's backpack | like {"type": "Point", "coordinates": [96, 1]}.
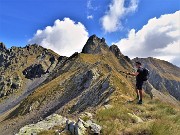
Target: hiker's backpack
{"type": "Point", "coordinates": [145, 74]}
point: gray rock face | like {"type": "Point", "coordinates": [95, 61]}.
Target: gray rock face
{"type": "Point", "coordinates": [123, 60]}
{"type": "Point", "coordinates": [34, 71]}
{"type": "Point", "coordinates": [116, 51]}
{"type": "Point", "coordinates": [3, 55]}
{"type": "Point", "coordinates": [95, 45]}
{"type": "Point", "coordinates": [83, 128]}
{"type": "Point", "coordinates": [3, 47]}
{"type": "Point", "coordinates": [9, 84]}
{"type": "Point", "coordinates": [46, 124]}
{"type": "Point", "coordinates": [12, 63]}
{"type": "Point", "coordinates": [163, 84]}
{"type": "Point", "coordinates": [75, 128]}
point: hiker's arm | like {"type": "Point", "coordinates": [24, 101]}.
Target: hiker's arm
{"type": "Point", "coordinates": [133, 74]}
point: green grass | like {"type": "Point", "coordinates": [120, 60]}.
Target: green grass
{"type": "Point", "coordinates": [159, 119]}
{"type": "Point", "coordinates": [164, 127]}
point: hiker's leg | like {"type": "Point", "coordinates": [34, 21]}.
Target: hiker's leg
{"type": "Point", "coordinates": [139, 87]}
{"type": "Point", "coordinates": [137, 93]}
{"type": "Point", "coordinates": [140, 94]}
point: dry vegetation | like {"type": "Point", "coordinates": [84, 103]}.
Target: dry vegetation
{"type": "Point", "coordinates": [158, 119]}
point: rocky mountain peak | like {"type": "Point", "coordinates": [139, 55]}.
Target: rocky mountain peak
{"type": "Point", "coordinates": [2, 47]}
{"type": "Point", "coordinates": [115, 50]}
{"type": "Point", "coordinates": [95, 45]}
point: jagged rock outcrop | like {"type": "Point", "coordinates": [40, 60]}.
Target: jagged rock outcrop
{"type": "Point", "coordinates": [9, 84]}
{"type": "Point", "coordinates": [2, 47]}
{"type": "Point", "coordinates": [124, 60]}
{"type": "Point", "coordinates": [95, 45]}
{"type": "Point", "coordinates": [34, 71]}
{"type": "Point", "coordinates": [3, 55]}
{"type": "Point", "coordinates": [65, 125]}
{"type": "Point", "coordinates": [116, 51]}
{"type": "Point", "coordinates": [19, 66]}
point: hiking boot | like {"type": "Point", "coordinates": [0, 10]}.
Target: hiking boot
{"type": "Point", "coordinates": [139, 102]}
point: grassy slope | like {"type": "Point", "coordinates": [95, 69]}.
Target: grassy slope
{"type": "Point", "coordinates": [53, 88]}
{"type": "Point", "coordinates": [158, 118]}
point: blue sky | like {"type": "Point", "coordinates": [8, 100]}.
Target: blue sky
{"type": "Point", "coordinates": [20, 19]}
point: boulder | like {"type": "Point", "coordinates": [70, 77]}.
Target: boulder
{"type": "Point", "coordinates": [46, 124]}
{"type": "Point", "coordinates": [79, 127]}
{"type": "Point", "coordinates": [70, 126]}
{"type": "Point", "coordinates": [135, 118]}
{"type": "Point", "coordinates": [74, 128]}
{"type": "Point", "coordinates": [34, 71]}
{"type": "Point", "coordinates": [16, 85]}
{"type": "Point", "coordinates": [52, 59]}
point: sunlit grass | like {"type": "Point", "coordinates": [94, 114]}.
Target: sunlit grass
{"type": "Point", "coordinates": [159, 119]}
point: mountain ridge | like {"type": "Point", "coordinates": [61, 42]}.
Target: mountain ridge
{"type": "Point", "coordinates": [69, 86]}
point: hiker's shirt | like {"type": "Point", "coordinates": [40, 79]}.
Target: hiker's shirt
{"type": "Point", "coordinates": [139, 77]}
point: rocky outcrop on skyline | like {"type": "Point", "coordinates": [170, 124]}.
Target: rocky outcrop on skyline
{"type": "Point", "coordinates": [95, 45]}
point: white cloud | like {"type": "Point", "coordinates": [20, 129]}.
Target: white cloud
{"type": "Point", "coordinates": [90, 17]}
{"type": "Point", "coordinates": [159, 38]}
{"type": "Point", "coordinates": [111, 21]}
{"type": "Point", "coordinates": [64, 37]}
{"type": "Point", "coordinates": [89, 4]}
{"type": "Point", "coordinates": [90, 9]}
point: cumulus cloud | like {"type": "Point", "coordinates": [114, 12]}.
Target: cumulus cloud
{"type": "Point", "coordinates": [111, 21]}
{"type": "Point", "coordinates": [159, 38]}
{"type": "Point", "coordinates": [64, 37]}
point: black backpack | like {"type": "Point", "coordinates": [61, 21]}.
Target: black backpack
{"type": "Point", "coordinates": [145, 74]}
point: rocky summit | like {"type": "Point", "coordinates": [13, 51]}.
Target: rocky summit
{"type": "Point", "coordinates": [95, 45]}
{"type": "Point", "coordinates": [43, 93]}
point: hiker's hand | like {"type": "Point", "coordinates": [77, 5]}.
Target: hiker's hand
{"type": "Point", "coordinates": [128, 73]}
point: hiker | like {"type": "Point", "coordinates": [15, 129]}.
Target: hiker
{"type": "Point", "coordinates": [139, 81]}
